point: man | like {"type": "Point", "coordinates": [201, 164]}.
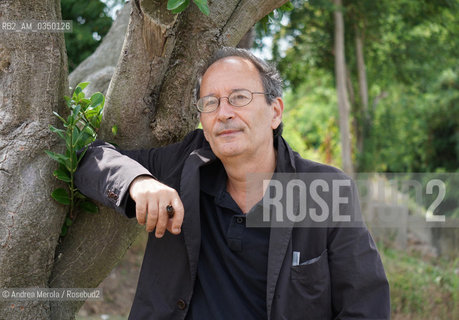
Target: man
{"type": "Point", "coordinates": [209, 264]}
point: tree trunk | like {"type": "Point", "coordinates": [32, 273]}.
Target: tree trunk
{"type": "Point", "coordinates": [343, 100]}
{"type": "Point", "coordinates": [149, 98]}
{"type": "Point", "coordinates": [363, 88]}
{"type": "Point", "coordinates": [33, 80]}
{"type": "Point", "coordinates": [349, 87]}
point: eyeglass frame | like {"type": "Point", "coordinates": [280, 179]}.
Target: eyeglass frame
{"type": "Point", "coordinates": [227, 97]}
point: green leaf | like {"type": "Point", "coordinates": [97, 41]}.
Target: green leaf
{"type": "Point", "coordinates": [68, 222]}
{"type": "Point", "coordinates": [182, 6]}
{"type": "Point", "coordinates": [84, 103]}
{"type": "Point", "coordinates": [264, 23]}
{"type": "Point", "coordinates": [64, 230]}
{"type": "Point", "coordinates": [80, 87]}
{"type": "Point", "coordinates": [70, 120]}
{"type": "Point", "coordinates": [97, 99]}
{"type": "Point", "coordinates": [88, 206]}
{"type": "Point", "coordinates": [68, 101]}
{"type": "Point", "coordinates": [62, 174]}
{"type": "Point", "coordinates": [83, 137]}
{"type": "Point", "coordinates": [88, 137]}
{"type": "Point", "coordinates": [203, 6]}
{"type": "Point", "coordinates": [58, 157]}
{"type": "Point", "coordinates": [80, 96]}
{"type": "Point", "coordinates": [76, 112]}
{"type": "Point", "coordinates": [75, 136]}
{"type": "Point", "coordinates": [115, 130]}
{"type": "Point", "coordinates": [57, 115]}
{"type": "Point", "coordinates": [87, 141]}
{"type": "Point", "coordinates": [95, 122]}
{"type": "Point", "coordinates": [89, 130]}
{"type": "Point", "coordinates": [61, 195]}
{"type": "Point", "coordinates": [287, 6]}
{"type": "Point", "coordinates": [174, 4]}
{"type": "Point", "coordinates": [91, 113]}
{"type": "Point", "coordinates": [94, 116]}
{"type": "Point", "coordinates": [81, 155]}
{"type": "Point", "coordinates": [78, 195]}
{"type": "Point", "coordinates": [60, 132]}
{"type": "Point", "coordinates": [279, 16]}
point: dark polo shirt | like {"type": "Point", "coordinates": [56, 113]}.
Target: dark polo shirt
{"type": "Point", "coordinates": [233, 259]}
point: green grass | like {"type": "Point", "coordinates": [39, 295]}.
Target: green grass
{"type": "Point", "coordinates": [421, 289]}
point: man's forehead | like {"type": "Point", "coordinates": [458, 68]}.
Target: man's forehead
{"type": "Point", "coordinates": [232, 62]}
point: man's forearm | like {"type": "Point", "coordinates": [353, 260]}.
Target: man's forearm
{"type": "Point", "coordinates": [104, 175]}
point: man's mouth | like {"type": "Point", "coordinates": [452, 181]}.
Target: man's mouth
{"type": "Point", "coordinates": [227, 132]}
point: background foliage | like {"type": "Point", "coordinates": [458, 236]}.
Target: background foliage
{"type": "Point", "coordinates": [410, 50]}
{"type": "Point", "coordinates": [91, 22]}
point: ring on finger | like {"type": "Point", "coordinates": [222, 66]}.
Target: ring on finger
{"type": "Point", "coordinates": [170, 210]}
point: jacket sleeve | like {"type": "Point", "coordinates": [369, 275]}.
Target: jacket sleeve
{"type": "Point", "coordinates": [105, 173]}
{"type": "Point", "coordinates": [360, 289]}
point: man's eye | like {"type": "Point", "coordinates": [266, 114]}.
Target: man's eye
{"type": "Point", "coordinates": [210, 103]}
{"type": "Point", "coordinates": [240, 98]}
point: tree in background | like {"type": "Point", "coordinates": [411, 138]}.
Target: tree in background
{"type": "Point", "coordinates": [91, 23]}
{"type": "Point", "coordinates": [342, 93]}
{"type": "Point", "coordinates": [401, 79]}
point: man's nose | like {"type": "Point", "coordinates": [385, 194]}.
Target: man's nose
{"type": "Point", "coordinates": [225, 110]}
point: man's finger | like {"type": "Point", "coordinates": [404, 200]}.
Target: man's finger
{"type": "Point", "coordinates": [161, 224]}
{"type": "Point", "coordinates": [177, 220]}
{"type": "Point", "coordinates": [152, 216]}
{"type": "Point", "coordinates": [141, 212]}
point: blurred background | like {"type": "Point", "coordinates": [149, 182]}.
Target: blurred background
{"type": "Point", "coordinates": [401, 78]}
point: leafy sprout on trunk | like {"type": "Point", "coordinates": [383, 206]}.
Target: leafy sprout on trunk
{"type": "Point", "coordinates": [80, 129]}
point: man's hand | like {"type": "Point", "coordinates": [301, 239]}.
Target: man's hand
{"type": "Point", "coordinates": [151, 200]}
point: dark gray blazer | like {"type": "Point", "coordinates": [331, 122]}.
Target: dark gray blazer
{"type": "Point", "coordinates": [345, 281]}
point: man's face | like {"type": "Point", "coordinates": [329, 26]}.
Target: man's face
{"type": "Point", "coordinates": [244, 132]}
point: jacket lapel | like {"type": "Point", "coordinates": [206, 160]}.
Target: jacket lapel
{"type": "Point", "coordinates": [190, 194]}
{"type": "Point", "coordinates": [280, 234]}
{"type": "Point", "coordinates": [278, 244]}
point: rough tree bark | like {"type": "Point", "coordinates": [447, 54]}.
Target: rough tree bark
{"type": "Point", "coordinates": [33, 80]}
{"type": "Point", "coordinates": [150, 99]}
{"type": "Point", "coordinates": [343, 100]}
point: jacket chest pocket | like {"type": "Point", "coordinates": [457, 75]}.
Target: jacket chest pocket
{"type": "Point", "coordinates": [310, 289]}
{"type": "Point", "coordinates": [312, 270]}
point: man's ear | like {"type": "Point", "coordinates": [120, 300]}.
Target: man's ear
{"type": "Point", "coordinates": [278, 109]}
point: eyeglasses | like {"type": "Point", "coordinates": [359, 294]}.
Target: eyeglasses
{"type": "Point", "coordinates": [237, 98]}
